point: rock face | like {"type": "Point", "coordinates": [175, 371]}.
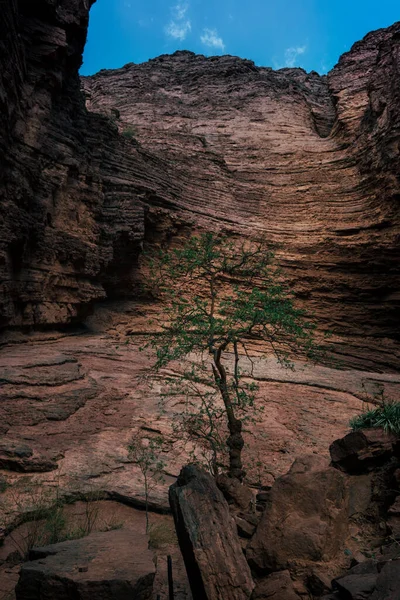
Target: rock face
{"type": "Point", "coordinates": [214, 560]}
{"type": "Point", "coordinates": [308, 162]}
{"type": "Point", "coordinates": [67, 200]}
{"type": "Point", "coordinates": [363, 450]}
{"type": "Point", "coordinates": [277, 586]}
{"type": "Point", "coordinates": [370, 582]}
{"type": "Point", "coordinates": [305, 161]}
{"type": "Point", "coordinates": [116, 565]}
{"type": "Point", "coordinates": [305, 519]}
{"type": "Point", "coordinates": [79, 399]}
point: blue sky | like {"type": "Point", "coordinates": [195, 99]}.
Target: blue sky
{"type": "Point", "coordinates": [304, 33]}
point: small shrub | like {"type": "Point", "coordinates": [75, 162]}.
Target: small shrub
{"type": "Point", "coordinates": [112, 525]}
{"type": "Point", "coordinates": [161, 534]}
{"type": "Point", "coordinates": [386, 416]}
{"type": "Point", "coordinates": [145, 453]}
{"type": "Point", "coordinates": [129, 133]}
{"type": "Point", "coordinates": [41, 513]}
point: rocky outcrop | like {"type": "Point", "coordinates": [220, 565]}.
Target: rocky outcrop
{"type": "Point", "coordinates": [371, 581]}
{"type": "Point", "coordinates": [309, 541]}
{"type": "Point", "coordinates": [303, 161]}
{"type": "Point", "coordinates": [116, 565]}
{"type": "Point", "coordinates": [76, 401]}
{"type": "Point", "coordinates": [308, 162]}
{"type": "Point", "coordinates": [358, 558]}
{"type": "Point", "coordinates": [364, 450]}
{"type": "Point", "coordinates": [305, 518]}
{"type": "Point", "coordinates": [215, 564]}
{"type": "Point", "coordinates": [16, 456]}
{"type": "Point", "coordinates": [71, 220]}
{"type": "Point", "coordinates": [278, 586]}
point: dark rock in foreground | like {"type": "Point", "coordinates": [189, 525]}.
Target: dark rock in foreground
{"type": "Point", "coordinates": [277, 586]}
{"type": "Point", "coordinates": [363, 450]}
{"type": "Point", "coordinates": [306, 518]}
{"type": "Point", "coordinates": [104, 566]}
{"type": "Point", "coordinates": [374, 582]}
{"type": "Point", "coordinates": [216, 566]}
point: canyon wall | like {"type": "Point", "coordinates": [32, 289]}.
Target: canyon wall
{"type": "Point", "coordinates": [67, 190]}
{"type": "Point", "coordinates": [309, 163]}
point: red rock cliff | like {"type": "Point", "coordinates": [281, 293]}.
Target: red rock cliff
{"type": "Point", "coordinates": [308, 162]}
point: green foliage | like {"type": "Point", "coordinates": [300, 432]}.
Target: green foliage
{"type": "Point", "coordinates": [219, 296]}
{"type": "Point", "coordinates": [386, 416]}
{"type": "Point", "coordinates": [145, 452]}
{"type": "Point", "coordinates": [40, 513]}
{"type": "Point", "coordinates": [129, 133]}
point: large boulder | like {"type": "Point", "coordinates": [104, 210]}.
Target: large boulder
{"type": "Point", "coordinates": [388, 582]}
{"type": "Point", "coordinates": [278, 586]}
{"type": "Point", "coordinates": [370, 581]}
{"type": "Point", "coordinates": [363, 450]}
{"type": "Point", "coordinates": [115, 565]}
{"type": "Point", "coordinates": [215, 564]}
{"type": "Point", "coordinates": [305, 519]}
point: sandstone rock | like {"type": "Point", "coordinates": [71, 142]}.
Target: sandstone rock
{"type": "Point", "coordinates": [356, 587]}
{"type": "Point", "coordinates": [359, 582]}
{"type": "Point", "coordinates": [277, 586]}
{"type": "Point", "coordinates": [393, 520]}
{"type": "Point", "coordinates": [388, 582]}
{"type": "Point", "coordinates": [246, 139]}
{"type": "Point", "coordinates": [319, 582]}
{"type": "Point", "coordinates": [116, 565]}
{"type": "Point", "coordinates": [306, 518]}
{"type": "Point", "coordinates": [360, 493]}
{"type": "Point", "coordinates": [235, 492]}
{"type": "Point", "coordinates": [245, 529]}
{"type": "Point", "coordinates": [16, 456]}
{"type": "Point", "coordinates": [217, 139]}
{"type": "Point", "coordinates": [363, 450]}
{"type": "Point", "coordinates": [214, 561]}
{"type": "Point", "coordinates": [365, 567]}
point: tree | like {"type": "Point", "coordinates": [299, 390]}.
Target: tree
{"type": "Point", "coordinates": [219, 296]}
{"type": "Point", "coordinates": [145, 452]}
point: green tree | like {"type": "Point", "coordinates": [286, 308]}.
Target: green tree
{"type": "Point", "coordinates": [218, 297]}
{"type": "Point", "coordinates": [145, 452]}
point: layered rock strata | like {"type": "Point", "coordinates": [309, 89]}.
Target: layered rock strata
{"type": "Point", "coordinates": [71, 221]}
{"type": "Point", "coordinates": [307, 162]}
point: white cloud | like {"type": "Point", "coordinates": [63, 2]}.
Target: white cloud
{"type": "Point", "coordinates": [211, 39]}
{"type": "Point", "coordinates": [178, 31]}
{"type": "Point", "coordinates": [180, 25]}
{"type": "Point", "coordinates": [180, 10]}
{"type": "Point", "coordinates": [292, 54]}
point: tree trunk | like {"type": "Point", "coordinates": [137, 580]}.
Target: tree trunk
{"type": "Point", "coordinates": [235, 441]}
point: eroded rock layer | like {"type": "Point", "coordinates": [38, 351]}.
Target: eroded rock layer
{"type": "Point", "coordinates": [71, 221]}
{"type": "Point", "coordinates": [307, 162]}
{"type": "Point", "coordinates": [310, 163]}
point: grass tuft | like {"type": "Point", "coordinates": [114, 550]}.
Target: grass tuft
{"type": "Point", "coordinates": [386, 416]}
{"type": "Point", "coordinates": [162, 534]}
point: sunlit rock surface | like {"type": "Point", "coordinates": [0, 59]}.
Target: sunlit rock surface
{"type": "Point", "coordinates": [180, 144]}
{"type": "Point", "coordinates": [307, 162]}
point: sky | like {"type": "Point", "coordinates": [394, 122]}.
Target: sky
{"type": "Point", "coordinates": [311, 34]}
